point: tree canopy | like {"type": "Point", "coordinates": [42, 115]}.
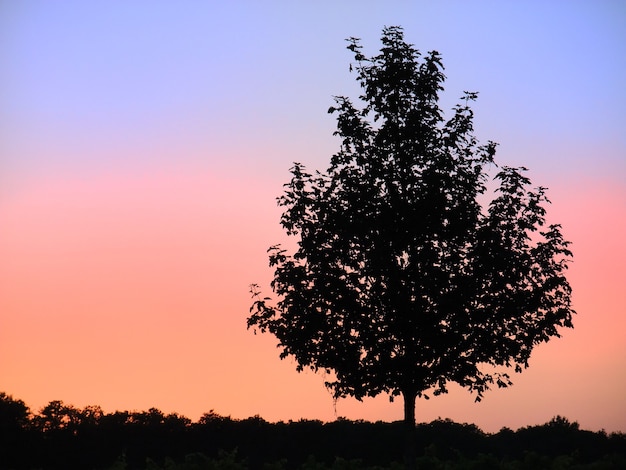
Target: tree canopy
{"type": "Point", "coordinates": [407, 276]}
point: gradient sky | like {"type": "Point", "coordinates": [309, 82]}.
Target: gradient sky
{"type": "Point", "coordinates": [143, 143]}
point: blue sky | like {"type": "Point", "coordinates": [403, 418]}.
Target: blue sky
{"type": "Point", "coordinates": [121, 72]}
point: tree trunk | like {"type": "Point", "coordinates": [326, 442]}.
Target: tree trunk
{"type": "Point", "coordinates": [409, 431]}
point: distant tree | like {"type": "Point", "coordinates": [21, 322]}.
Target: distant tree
{"type": "Point", "coordinates": [14, 426]}
{"type": "Point", "coordinates": [402, 281]}
{"type": "Point", "coordinates": [153, 418]}
{"type": "Point", "coordinates": [14, 415]}
{"type": "Point", "coordinates": [57, 416]}
{"type": "Point", "coordinates": [91, 415]}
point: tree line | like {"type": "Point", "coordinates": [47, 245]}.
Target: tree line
{"type": "Point", "coordinates": [62, 436]}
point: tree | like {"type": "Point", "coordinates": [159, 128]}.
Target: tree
{"type": "Point", "coordinates": [14, 415]}
{"type": "Point", "coordinates": [56, 416]}
{"type": "Point", "coordinates": [402, 281]}
{"type": "Point", "coordinates": [14, 431]}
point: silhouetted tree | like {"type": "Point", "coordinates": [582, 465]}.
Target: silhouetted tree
{"type": "Point", "coordinates": [14, 414]}
{"type": "Point", "coordinates": [56, 416]}
{"type": "Point", "coordinates": [14, 424]}
{"type": "Point", "coordinates": [402, 281]}
{"type": "Point", "coordinates": [91, 415]}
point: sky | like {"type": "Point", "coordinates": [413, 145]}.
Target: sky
{"type": "Point", "coordinates": [143, 145]}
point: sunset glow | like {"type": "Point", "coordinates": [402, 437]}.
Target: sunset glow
{"type": "Point", "coordinates": [142, 148]}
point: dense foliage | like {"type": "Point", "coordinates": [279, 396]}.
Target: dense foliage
{"type": "Point", "coordinates": [403, 280]}
{"type": "Point", "coordinates": [63, 437]}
